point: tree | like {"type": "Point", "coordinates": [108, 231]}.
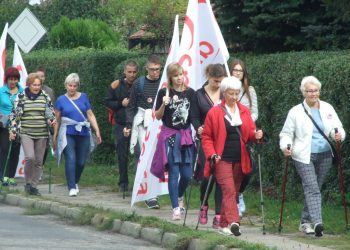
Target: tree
{"type": "Point", "coordinates": [272, 25]}
{"type": "Point", "coordinates": [88, 33]}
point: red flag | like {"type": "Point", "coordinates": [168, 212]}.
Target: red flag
{"type": "Point", "coordinates": [19, 64]}
{"type": "Point", "coordinates": [3, 54]}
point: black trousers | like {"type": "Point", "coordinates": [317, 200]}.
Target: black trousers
{"type": "Point", "coordinates": [4, 149]}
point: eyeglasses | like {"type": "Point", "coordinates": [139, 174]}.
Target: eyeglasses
{"type": "Point", "coordinates": [311, 91]}
{"type": "Point", "coordinates": [238, 70]}
{"type": "Point", "coordinates": [153, 69]}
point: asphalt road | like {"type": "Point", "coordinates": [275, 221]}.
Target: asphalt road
{"type": "Point", "coordinates": [19, 231]}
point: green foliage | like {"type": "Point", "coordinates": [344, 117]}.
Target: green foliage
{"type": "Point", "coordinates": [88, 33]}
{"type": "Point", "coordinates": [275, 26]}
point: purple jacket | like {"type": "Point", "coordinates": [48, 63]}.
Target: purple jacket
{"type": "Point", "coordinates": [160, 158]}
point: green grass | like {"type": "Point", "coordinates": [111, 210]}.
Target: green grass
{"type": "Point", "coordinates": [333, 215]}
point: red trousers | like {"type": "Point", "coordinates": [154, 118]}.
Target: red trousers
{"type": "Point", "coordinates": [229, 176]}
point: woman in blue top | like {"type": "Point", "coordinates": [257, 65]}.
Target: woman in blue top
{"type": "Point", "coordinates": [73, 133]}
{"type": "Point", "coordinates": [8, 94]}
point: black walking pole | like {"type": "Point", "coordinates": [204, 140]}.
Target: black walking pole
{"type": "Point", "coordinates": [341, 178]}
{"type": "Point", "coordinates": [212, 165]}
{"type": "Point", "coordinates": [189, 192]}
{"type": "Point", "coordinates": [261, 192]}
{"type": "Point", "coordinates": [6, 163]}
{"type": "Point", "coordinates": [283, 190]}
{"type": "Point", "coordinates": [127, 145]}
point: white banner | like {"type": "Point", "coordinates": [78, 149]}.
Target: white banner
{"type": "Point", "coordinates": [3, 54]}
{"type": "Point", "coordinates": [201, 44]}
{"type": "Point", "coordinates": [146, 185]}
{"type": "Point", "coordinates": [19, 64]}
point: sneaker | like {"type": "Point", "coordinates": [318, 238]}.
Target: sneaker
{"type": "Point", "coordinates": [203, 216]}
{"type": "Point", "coordinates": [5, 181]}
{"type": "Point", "coordinates": [12, 182]}
{"type": "Point", "coordinates": [176, 213]}
{"type": "Point", "coordinates": [27, 188]}
{"type": "Point", "coordinates": [181, 204]}
{"type": "Point", "coordinates": [225, 231]}
{"type": "Point", "coordinates": [77, 188]}
{"type": "Point", "coordinates": [152, 203]}
{"type": "Point", "coordinates": [72, 192]}
{"type": "Point", "coordinates": [306, 228]}
{"type": "Point", "coordinates": [318, 229]}
{"type": "Point", "coordinates": [241, 204]}
{"type": "Point", "coordinates": [34, 191]}
{"type": "Point", "coordinates": [216, 221]}
{"type": "Point", "coordinates": [234, 227]}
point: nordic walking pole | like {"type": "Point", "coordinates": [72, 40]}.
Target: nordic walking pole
{"type": "Point", "coordinates": [341, 178]}
{"type": "Point", "coordinates": [50, 170]}
{"type": "Point", "coordinates": [189, 192]}
{"type": "Point", "coordinates": [283, 190]}
{"type": "Point", "coordinates": [261, 192]}
{"type": "Point", "coordinates": [212, 164]}
{"type": "Point", "coordinates": [6, 163]}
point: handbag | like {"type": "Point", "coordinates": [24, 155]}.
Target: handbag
{"type": "Point", "coordinates": [93, 137]}
{"type": "Point", "coordinates": [248, 146]}
{"type": "Point", "coordinates": [335, 157]}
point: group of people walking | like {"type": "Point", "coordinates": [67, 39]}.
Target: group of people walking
{"type": "Point", "coordinates": [222, 112]}
{"type": "Point", "coordinates": [30, 120]}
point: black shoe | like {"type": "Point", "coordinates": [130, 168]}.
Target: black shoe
{"type": "Point", "coordinates": [27, 188]}
{"type": "Point", "coordinates": [235, 229]}
{"type": "Point", "coordinates": [34, 191]}
{"type": "Point", "coordinates": [152, 203]}
{"type": "Point", "coordinates": [319, 229]}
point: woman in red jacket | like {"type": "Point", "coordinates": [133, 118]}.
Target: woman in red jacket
{"type": "Point", "coordinates": [228, 127]}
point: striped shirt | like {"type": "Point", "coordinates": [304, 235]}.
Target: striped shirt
{"type": "Point", "coordinates": [30, 117]}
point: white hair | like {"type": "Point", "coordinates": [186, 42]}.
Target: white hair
{"type": "Point", "coordinates": [230, 82]}
{"type": "Point", "coordinates": [73, 77]}
{"type": "Point", "coordinates": [309, 80]}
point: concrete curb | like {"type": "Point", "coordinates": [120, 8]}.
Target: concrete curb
{"type": "Point", "coordinates": [153, 235]}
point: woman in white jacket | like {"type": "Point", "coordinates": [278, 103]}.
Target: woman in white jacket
{"type": "Point", "coordinates": [310, 151]}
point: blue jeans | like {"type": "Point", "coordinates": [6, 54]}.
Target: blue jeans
{"type": "Point", "coordinates": [75, 154]}
{"type": "Point", "coordinates": [175, 169]}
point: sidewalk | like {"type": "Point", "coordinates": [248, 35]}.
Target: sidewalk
{"type": "Point", "coordinates": [102, 198]}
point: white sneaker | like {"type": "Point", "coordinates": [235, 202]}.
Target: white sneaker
{"type": "Point", "coordinates": [72, 192]}
{"type": "Point", "coordinates": [176, 213]}
{"type": "Point", "coordinates": [306, 228]}
{"type": "Point", "coordinates": [241, 204]}
{"type": "Point", "coordinates": [181, 205]}
{"type": "Point", "coordinates": [77, 188]}
{"type": "Point", "coordinates": [225, 231]}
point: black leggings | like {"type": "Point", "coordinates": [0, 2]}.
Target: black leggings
{"type": "Point", "coordinates": [4, 148]}
{"type": "Point", "coordinates": [218, 193]}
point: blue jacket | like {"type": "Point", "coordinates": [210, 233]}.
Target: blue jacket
{"type": "Point", "coordinates": [7, 99]}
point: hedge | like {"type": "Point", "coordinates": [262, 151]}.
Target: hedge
{"type": "Point", "coordinates": [276, 78]}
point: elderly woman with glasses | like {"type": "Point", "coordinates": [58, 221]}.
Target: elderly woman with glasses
{"type": "Point", "coordinates": [228, 127]}
{"type": "Point", "coordinates": [306, 129]}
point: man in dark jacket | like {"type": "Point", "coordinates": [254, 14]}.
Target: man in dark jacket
{"type": "Point", "coordinates": [117, 100]}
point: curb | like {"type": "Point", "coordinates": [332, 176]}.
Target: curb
{"type": "Point", "coordinates": [131, 229]}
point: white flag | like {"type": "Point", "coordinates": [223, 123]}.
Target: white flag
{"type": "Point", "coordinates": [19, 64]}
{"type": "Point", "coordinates": [202, 42]}
{"type": "Point", "coordinates": [3, 54]}
{"type": "Point", "coordinates": [146, 185]}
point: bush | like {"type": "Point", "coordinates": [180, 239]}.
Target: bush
{"type": "Point", "coordinates": [68, 34]}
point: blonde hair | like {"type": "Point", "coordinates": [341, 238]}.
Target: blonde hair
{"type": "Point", "coordinates": [31, 78]}
{"type": "Point", "coordinates": [172, 70]}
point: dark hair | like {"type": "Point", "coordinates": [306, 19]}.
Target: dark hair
{"type": "Point", "coordinates": [131, 63]}
{"type": "Point", "coordinates": [12, 72]}
{"type": "Point", "coordinates": [215, 70]}
{"type": "Point", "coordinates": [41, 68]}
{"type": "Point", "coordinates": [154, 59]}
{"type": "Point", "coordinates": [245, 80]}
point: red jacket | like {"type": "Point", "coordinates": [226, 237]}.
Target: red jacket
{"type": "Point", "coordinates": [214, 135]}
